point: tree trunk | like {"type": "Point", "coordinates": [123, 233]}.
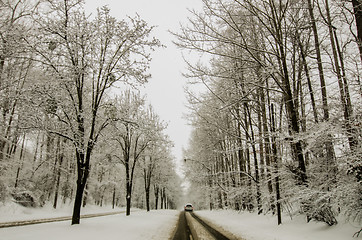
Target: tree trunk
{"type": "Point", "coordinates": [57, 183]}
{"type": "Point", "coordinates": [319, 62]}
{"type": "Point", "coordinates": [210, 182]}
{"type": "Point", "coordinates": [162, 197]}
{"type": "Point", "coordinates": [147, 178]}
{"type": "Point", "coordinates": [35, 155]}
{"type": "Point", "coordinates": [78, 202]}
{"type": "Point", "coordinates": [331, 161]}
{"type": "Point", "coordinates": [20, 162]}
{"type": "Point", "coordinates": [148, 200]}
{"type": "Point", "coordinates": [276, 167]}
{"type": "Point", "coordinates": [83, 172]}
{"type": "Point", "coordinates": [357, 9]}
{"type": "Point", "coordinates": [307, 75]}
{"type": "Point", "coordinates": [81, 182]}
{"type": "Point", "coordinates": [267, 147]}
{"type": "Point", "coordinates": [114, 197]}
{"type": "Point", "coordinates": [261, 145]}
{"type": "Point", "coordinates": [290, 105]}
{"type": "Point", "coordinates": [343, 84]}
{"type": "Point", "coordinates": [128, 198]}
{"type": "Point", "coordinates": [85, 196]}
{"type": "Point", "coordinates": [256, 165]}
{"type": "Point", "coordinates": [156, 192]}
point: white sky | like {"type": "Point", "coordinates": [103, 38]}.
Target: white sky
{"type": "Point", "coordinates": [165, 89]}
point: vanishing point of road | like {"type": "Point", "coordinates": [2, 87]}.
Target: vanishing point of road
{"type": "Point", "coordinates": [191, 227]}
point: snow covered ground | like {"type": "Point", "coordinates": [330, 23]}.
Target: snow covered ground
{"type": "Point", "coordinates": [251, 226]}
{"type": "Point", "coordinates": [14, 212]}
{"type": "Point", "coordinates": [159, 225]}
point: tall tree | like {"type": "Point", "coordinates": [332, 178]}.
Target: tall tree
{"type": "Point", "coordinates": [86, 59]}
{"type": "Point", "coordinates": [357, 10]}
{"type": "Point", "coordinates": [14, 65]}
{"type": "Point", "coordinates": [136, 130]}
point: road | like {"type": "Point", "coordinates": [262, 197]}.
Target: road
{"type": "Point", "coordinates": [182, 231]}
{"type": "Point", "coordinates": [191, 227]}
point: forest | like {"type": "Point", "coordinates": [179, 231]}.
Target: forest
{"type": "Point", "coordinates": [276, 116]}
{"type": "Point", "coordinates": [274, 96]}
{"type": "Point", "coordinates": [74, 127]}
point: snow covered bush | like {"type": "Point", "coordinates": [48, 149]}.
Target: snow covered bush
{"type": "Point", "coordinates": [25, 198]}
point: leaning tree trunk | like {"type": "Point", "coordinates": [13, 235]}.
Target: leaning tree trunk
{"type": "Point", "coordinates": [78, 200]}
{"type": "Point", "coordinates": [83, 163]}
{"type": "Point", "coordinates": [342, 81]}
{"type": "Point", "coordinates": [83, 172]}
{"type": "Point", "coordinates": [307, 75]}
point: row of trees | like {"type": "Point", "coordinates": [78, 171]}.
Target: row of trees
{"type": "Point", "coordinates": [277, 125]}
{"type": "Point", "coordinates": [65, 129]}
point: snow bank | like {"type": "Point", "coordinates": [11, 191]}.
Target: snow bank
{"type": "Point", "coordinates": [251, 226]}
{"type": "Point", "coordinates": [15, 212]}
{"type": "Point", "coordinates": [157, 225]}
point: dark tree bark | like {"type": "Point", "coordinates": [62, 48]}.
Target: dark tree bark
{"type": "Point", "coordinates": [59, 171]}
{"type": "Point", "coordinates": [162, 190]}
{"type": "Point", "coordinates": [21, 162]}
{"type": "Point", "coordinates": [78, 197]}
{"type": "Point", "coordinates": [129, 178]}
{"type": "Point", "coordinates": [131, 148]}
{"type": "Point", "coordinates": [256, 164]}
{"type": "Point", "coordinates": [114, 197]}
{"type": "Point", "coordinates": [292, 115]}
{"type": "Point", "coordinates": [147, 175]}
{"type": "Point", "coordinates": [265, 131]}
{"type": "Point", "coordinates": [319, 61]}
{"type": "Point", "coordinates": [156, 192]}
{"type": "Point", "coordinates": [276, 166]}
{"type": "Point", "coordinates": [307, 75]}
{"type": "Point", "coordinates": [357, 9]}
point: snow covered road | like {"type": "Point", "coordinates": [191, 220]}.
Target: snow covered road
{"type": "Point", "coordinates": [161, 225]}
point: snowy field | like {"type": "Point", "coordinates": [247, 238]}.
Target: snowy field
{"type": "Point", "coordinates": [159, 225]}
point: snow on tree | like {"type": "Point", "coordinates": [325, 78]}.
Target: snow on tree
{"type": "Point", "coordinates": [258, 136]}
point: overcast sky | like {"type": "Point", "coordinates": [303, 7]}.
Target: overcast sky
{"type": "Point", "coordinates": [165, 89]}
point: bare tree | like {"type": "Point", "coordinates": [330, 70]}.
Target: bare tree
{"type": "Point", "coordinates": [88, 58]}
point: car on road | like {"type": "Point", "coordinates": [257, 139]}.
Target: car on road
{"type": "Point", "coordinates": [188, 207]}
